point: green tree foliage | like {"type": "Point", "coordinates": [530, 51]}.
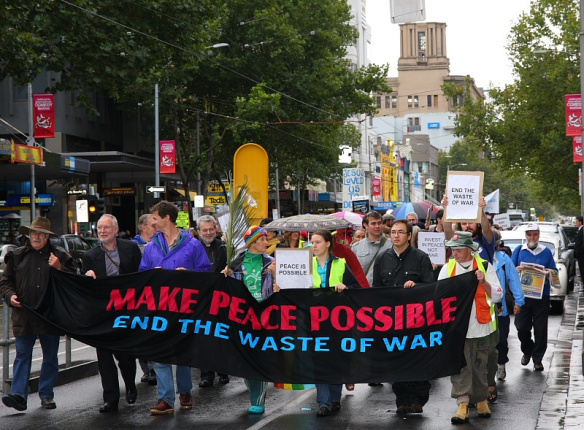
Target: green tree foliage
{"type": "Point", "coordinates": [282, 81]}
{"type": "Point", "coordinates": [522, 127]}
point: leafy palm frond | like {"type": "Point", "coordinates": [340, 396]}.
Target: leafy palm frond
{"type": "Point", "coordinates": [239, 221]}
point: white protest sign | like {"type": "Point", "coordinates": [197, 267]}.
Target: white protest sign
{"type": "Point", "coordinates": [502, 220]}
{"type": "Point", "coordinates": [433, 245]}
{"type": "Point", "coordinates": [464, 190]}
{"type": "Point", "coordinates": [492, 202]}
{"type": "Point", "coordinates": [294, 268]}
{"type": "Point", "coordinates": [353, 186]}
{"type": "Point", "coordinates": [81, 210]}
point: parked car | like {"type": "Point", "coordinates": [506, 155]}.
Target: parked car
{"type": "Point", "coordinates": [75, 246]}
{"type": "Point", "coordinates": [93, 241]}
{"type": "Point", "coordinates": [514, 238]}
{"type": "Point", "coordinates": [566, 249]}
{"type": "Point", "coordinates": [571, 231]}
{"type": "Point", "coordinates": [4, 249]}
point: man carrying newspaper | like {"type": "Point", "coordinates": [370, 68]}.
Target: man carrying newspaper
{"type": "Point", "coordinates": [530, 259]}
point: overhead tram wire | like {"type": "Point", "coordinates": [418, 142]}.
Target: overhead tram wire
{"type": "Point", "coordinates": [198, 55]}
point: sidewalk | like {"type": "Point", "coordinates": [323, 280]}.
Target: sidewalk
{"type": "Point", "coordinates": [562, 404]}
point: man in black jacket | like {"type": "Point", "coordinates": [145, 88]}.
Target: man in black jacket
{"type": "Point", "coordinates": [113, 257]}
{"type": "Point", "coordinates": [403, 266]}
{"type": "Point", "coordinates": [217, 254]}
{"type": "Point", "coordinates": [24, 281]}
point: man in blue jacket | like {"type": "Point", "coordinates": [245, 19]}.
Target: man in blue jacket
{"type": "Point", "coordinates": [535, 312]}
{"type": "Point", "coordinates": [173, 249]}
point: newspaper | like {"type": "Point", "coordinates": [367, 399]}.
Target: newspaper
{"type": "Point", "coordinates": [532, 279]}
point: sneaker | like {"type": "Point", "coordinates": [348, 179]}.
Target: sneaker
{"type": "Point", "coordinates": [256, 409]}
{"type": "Point", "coordinates": [483, 410]}
{"type": "Point", "coordinates": [145, 377]}
{"type": "Point", "coordinates": [186, 401]}
{"type": "Point", "coordinates": [501, 373]}
{"type": "Point", "coordinates": [14, 401]}
{"type": "Point", "coordinates": [538, 367]}
{"type": "Point", "coordinates": [152, 378]}
{"type": "Point", "coordinates": [205, 383]}
{"type": "Point", "coordinates": [336, 406]}
{"type": "Point", "coordinates": [224, 379]}
{"type": "Point", "coordinates": [162, 408]}
{"type": "Point", "coordinates": [323, 411]}
{"type": "Point", "coordinates": [525, 360]}
{"type": "Point", "coordinates": [47, 403]}
{"type": "Point", "coordinates": [461, 416]}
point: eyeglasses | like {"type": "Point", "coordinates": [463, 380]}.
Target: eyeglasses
{"type": "Point", "coordinates": [398, 233]}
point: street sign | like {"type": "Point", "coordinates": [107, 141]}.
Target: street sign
{"type": "Point", "coordinates": [154, 189]}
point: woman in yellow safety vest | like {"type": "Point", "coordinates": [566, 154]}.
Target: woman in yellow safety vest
{"type": "Point", "coordinates": [329, 271]}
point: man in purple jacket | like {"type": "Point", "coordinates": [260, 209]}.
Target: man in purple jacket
{"type": "Point", "coordinates": [173, 249]}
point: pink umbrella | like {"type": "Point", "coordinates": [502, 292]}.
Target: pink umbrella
{"type": "Point", "coordinates": [353, 217]}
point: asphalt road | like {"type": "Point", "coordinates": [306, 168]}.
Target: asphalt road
{"type": "Point", "coordinates": [225, 406]}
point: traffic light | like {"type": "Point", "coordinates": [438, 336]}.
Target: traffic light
{"type": "Point", "coordinates": [100, 207]}
{"type": "Point", "coordinates": [92, 208]}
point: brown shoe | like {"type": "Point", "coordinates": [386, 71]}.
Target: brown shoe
{"type": "Point", "coordinates": [416, 408]}
{"type": "Point", "coordinates": [186, 401]}
{"type": "Point", "coordinates": [162, 408]}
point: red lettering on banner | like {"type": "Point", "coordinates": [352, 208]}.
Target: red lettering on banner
{"type": "Point", "coordinates": [168, 301]}
{"type": "Point", "coordinates": [251, 316]}
{"type": "Point", "coordinates": [219, 300]}
{"type": "Point", "coordinates": [234, 309]}
{"type": "Point", "coordinates": [147, 298]}
{"type": "Point", "coordinates": [399, 317]}
{"type": "Point", "coordinates": [336, 318]}
{"type": "Point", "coordinates": [431, 314]}
{"type": "Point", "coordinates": [415, 313]}
{"type": "Point", "coordinates": [365, 319]}
{"type": "Point", "coordinates": [318, 314]}
{"type": "Point", "coordinates": [266, 317]}
{"type": "Point", "coordinates": [118, 303]}
{"type": "Point", "coordinates": [448, 309]}
{"type": "Point", "coordinates": [187, 301]}
{"type": "Point", "coordinates": [288, 318]}
{"type": "Point", "coordinates": [382, 315]}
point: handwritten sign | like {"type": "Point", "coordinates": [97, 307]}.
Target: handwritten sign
{"type": "Point", "coordinates": [353, 186]}
{"type": "Point", "coordinates": [502, 220]}
{"type": "Point", "coordinates": [294, 268]}
{"type": "Point", "coordinates": [464, 190]}
{"type": "Point", "coordinates": [433, 245]}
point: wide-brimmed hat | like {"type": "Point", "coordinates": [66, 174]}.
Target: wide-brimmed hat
{"type": "Point", "coordinates": [40, 223]}
{"type": "Point", "coordinates": [462, 239]}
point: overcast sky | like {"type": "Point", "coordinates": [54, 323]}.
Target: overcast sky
{"type": "Point", "coordinates": [476, 36]}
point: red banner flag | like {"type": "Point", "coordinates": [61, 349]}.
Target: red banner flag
{"type": "Point", "coordinates": [376, 185]}
{"type": "Point", "coordinates": [577, 142]}
{"type": "Point", "coordinates": [44, 115]}
{"type": "Point", "coordinates": [573, 115]}
{"type": "Point", "coordinates": [167, 156]}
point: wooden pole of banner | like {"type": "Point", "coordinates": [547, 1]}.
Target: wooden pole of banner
{"type": "Point", "coordinates": [156, 143]}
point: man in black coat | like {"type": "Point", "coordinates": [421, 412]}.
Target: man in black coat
{"type": "Point", "coordinates": [113, 257]}
{"type": "Point", "coordinates": [217, 254]}
{"type": "Point", "coordinates": [403, 266]}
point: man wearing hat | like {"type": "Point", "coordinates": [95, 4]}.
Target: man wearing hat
{"type": "Point", "coordinates": [534, 312]}
{"type": "Point", "coordinates": [24, 281]}
{"type": "Point", "coordinates": [172, 249]}
{"type": "Point", "coordinates": [387, 220]}
{"type": "Point", "coordinates": [470, 386]}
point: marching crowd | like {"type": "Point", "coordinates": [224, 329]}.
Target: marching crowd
{"type": "Point", "coordinates": [383, 253]}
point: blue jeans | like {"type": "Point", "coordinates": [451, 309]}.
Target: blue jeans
{"type": "Point", "coordinates": [165, 381]}
{"type": "Point", "coordinates": [326, 394]}
{"type": "Point", "coordinates": [23, 360]}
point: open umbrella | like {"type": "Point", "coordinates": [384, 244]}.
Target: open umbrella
{"type": "Point", "coordinates": [308, 223]}
{"type": "Point", "coordinates": [420, 208]}
{"type": "Point", "coordinates": [353, 217]}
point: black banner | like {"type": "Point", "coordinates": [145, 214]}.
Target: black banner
{"type": "Point", "coordinates": [208, 321]}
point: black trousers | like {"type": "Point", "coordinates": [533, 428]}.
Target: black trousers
{"type": "Point", "coordinates": [409, 393]}
{"type": "Point", "coordinates": [534, 314]}
{"type": "Point", "coordinates": [209, 375]}
{"type": "Point", "coordinates": [109, 373]}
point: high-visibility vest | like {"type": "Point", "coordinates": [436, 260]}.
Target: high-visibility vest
{"type": "Point", "coordinates": [336, 274]}
{"type": "Point", "coordinates": [485, 308]}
